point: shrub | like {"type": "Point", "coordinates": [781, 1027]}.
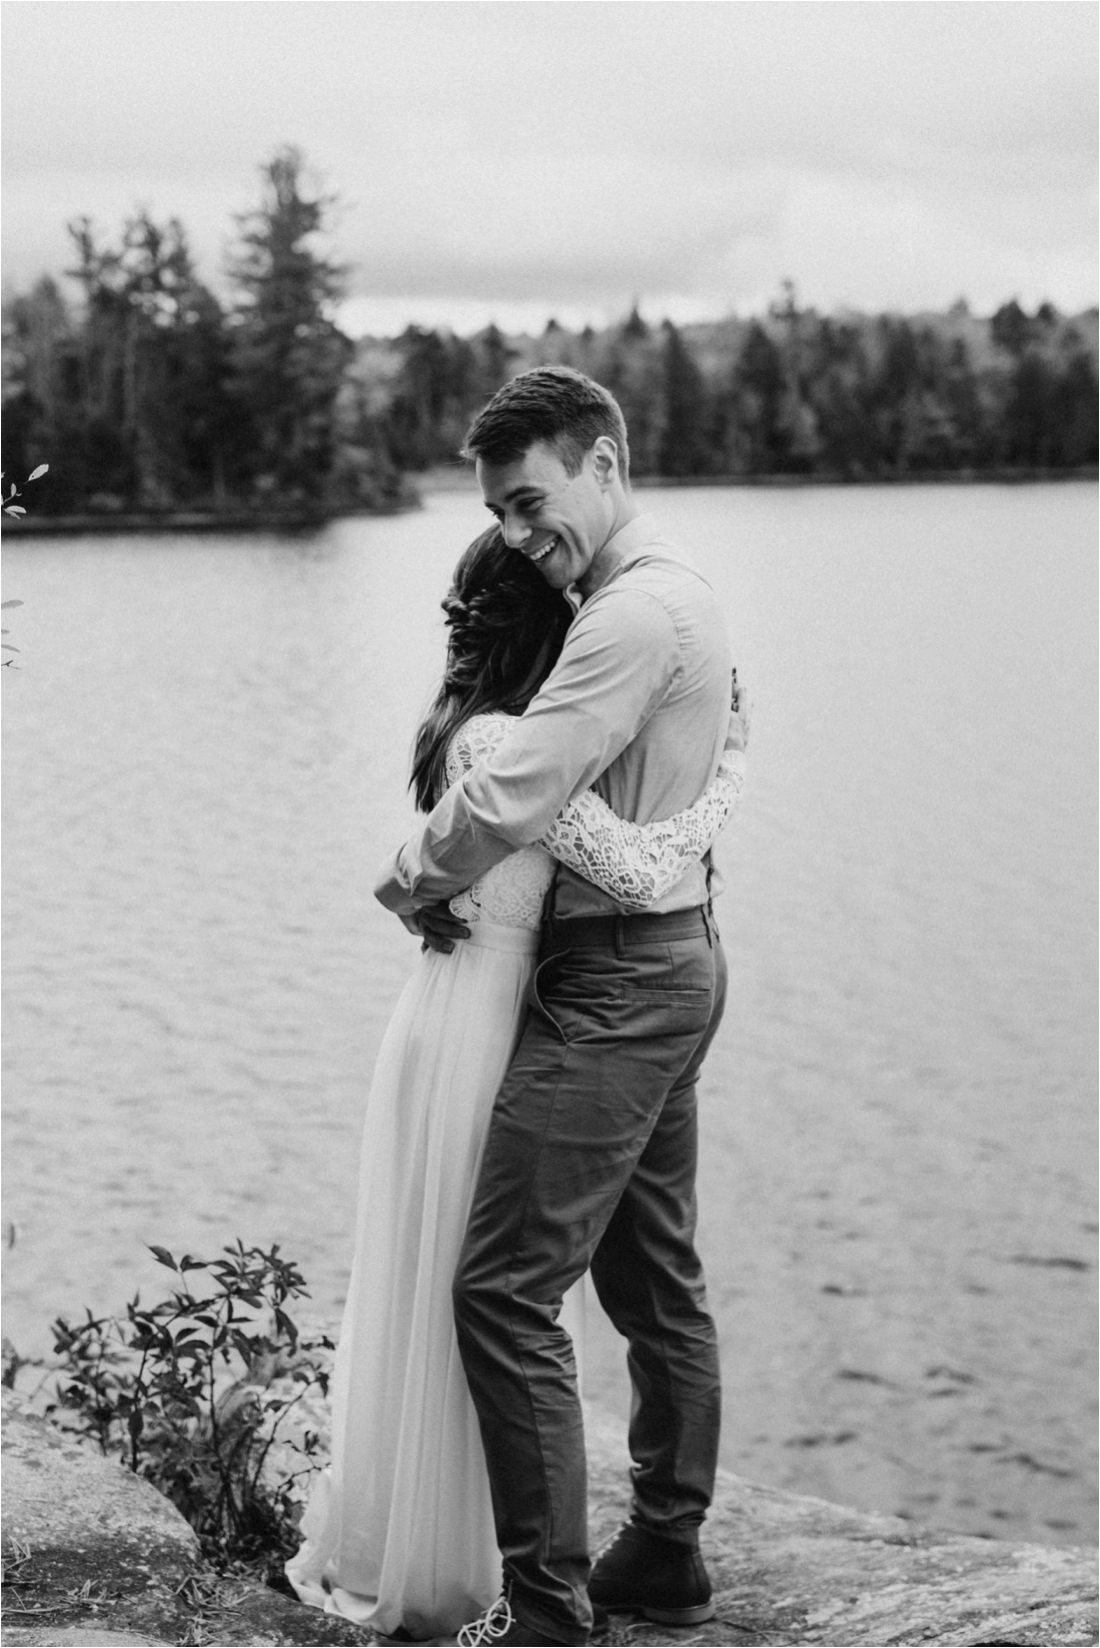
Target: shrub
{"type": "Point", "coordinates": [194, 1394]}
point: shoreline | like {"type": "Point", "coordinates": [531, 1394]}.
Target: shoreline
{"type": "Point", "coordinates": [462, 479]}
{"type": "Point", "coordinates": [193, 520]}
{"type": "Point", "coordinates": [923, 477]}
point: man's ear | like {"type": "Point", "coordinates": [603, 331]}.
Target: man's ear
{"type": "Point", "coordinates": [605, 459]}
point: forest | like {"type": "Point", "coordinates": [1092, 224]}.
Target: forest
{"type": "Point", "coordinates": [146, 392]}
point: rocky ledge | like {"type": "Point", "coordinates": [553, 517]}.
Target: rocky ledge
{"type": "Point", "coordinates": [95, 1556]}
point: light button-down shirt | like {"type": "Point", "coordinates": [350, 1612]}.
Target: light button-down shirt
{"type": "Point", "coordinates": [636, 707]}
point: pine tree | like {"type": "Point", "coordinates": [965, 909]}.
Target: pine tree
{"type": "Point", "coordinates": [495, 358]}
{"type": "Point", "coordinates": [39, 383]}
{"type": "Point", "coordinates": [629, 363]}
{"type": "Point", "coordinates": [683, 445]}
{"type": "Point", "coordinates": [758, 392]}
{"type": "Point", "coordinates": [433, 398]}
{"type": "Point", "coordinates": [149, 364]}
{"type": "Point", "coordinates": [289, 355]}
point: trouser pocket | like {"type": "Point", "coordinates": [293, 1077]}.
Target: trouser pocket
{"type": "Point", "coordinates": [536, 998]}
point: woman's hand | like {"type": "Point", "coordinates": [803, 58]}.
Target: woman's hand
{"type": "Point", "coordinates": [439, 928]}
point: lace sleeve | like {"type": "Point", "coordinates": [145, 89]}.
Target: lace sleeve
{"type": "Point", "coordinates": [638, 863]}
{"type": "Point", "coordinates": [474, 740]}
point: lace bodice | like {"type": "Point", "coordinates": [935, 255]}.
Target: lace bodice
{"type": "Point", "coordinates": [634, 863]}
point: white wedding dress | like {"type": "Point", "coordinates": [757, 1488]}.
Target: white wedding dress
{"type": "Point", "coordinates": [398, 1532]}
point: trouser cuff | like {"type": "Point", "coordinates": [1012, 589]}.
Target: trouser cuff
{"type": "Point", "coordinates": [686, 1535]}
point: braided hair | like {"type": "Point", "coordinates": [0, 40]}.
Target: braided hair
{"type": "Point", "coordinates": [506, 629]}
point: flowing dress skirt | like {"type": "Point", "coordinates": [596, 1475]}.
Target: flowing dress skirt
{"type": "Point", "coordinates": [399, 1530]}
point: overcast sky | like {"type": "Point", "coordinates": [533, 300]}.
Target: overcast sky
{"type": "Point", "coordinates": [523, 159]}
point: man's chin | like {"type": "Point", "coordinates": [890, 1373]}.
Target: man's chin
{"type": "Point", "coordinates": [557, 578]}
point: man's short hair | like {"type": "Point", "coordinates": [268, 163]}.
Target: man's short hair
{"type": "Point", "coordinates": [554, 404]}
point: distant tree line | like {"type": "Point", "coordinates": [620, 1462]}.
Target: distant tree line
{"type": "Point", "coordinates": [792, 393]}
{"type": "Point", "coordinates": [152, 394]}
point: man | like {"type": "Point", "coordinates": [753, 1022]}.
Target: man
{"type": "Point", "coordinates": [590, 1157]}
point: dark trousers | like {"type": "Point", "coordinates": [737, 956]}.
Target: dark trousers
{"type": "Point", "coordinates": [590, 1163]}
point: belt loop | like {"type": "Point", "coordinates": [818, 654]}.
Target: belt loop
{"type": "Point", "coordinates": [619, 946]}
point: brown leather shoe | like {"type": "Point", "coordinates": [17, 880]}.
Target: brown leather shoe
{"type": "Point", "coordinates": [640, 1572]}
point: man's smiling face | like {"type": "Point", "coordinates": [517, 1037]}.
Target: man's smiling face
{"type": "Point", "coordinates": [559, 521]}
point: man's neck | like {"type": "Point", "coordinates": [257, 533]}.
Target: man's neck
{"type": "Point", "coordinates": [608, 556]}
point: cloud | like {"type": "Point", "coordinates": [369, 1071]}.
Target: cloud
{"type": "Point", "coordinates": [574, 154]}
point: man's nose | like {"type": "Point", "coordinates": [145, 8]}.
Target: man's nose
{"type": "Point", "coordinates": [515, 532]}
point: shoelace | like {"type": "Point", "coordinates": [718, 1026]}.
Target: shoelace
{"type": "Point", "coordinates": [609, 1545]}
{"type": "Point", "coordinates": [490, 1627]}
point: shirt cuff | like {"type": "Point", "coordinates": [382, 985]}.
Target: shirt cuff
{"type": "Point", "coordinates": [392, 887]}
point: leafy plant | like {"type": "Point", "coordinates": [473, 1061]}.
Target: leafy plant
{"type": "Point", "coordinates": [12, 508]}
{"type": "Point", "coordinates": [194, 1394]}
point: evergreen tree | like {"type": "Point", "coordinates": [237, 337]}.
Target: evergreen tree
{"type": "Point", "coordinates": [757, 394]}
{"type": "Point", "coordinates": [148, 365]}
{"type": "Point", "coordinates": [629, 364]}
{"type": "Point", "coordinates": [893, 394]}
{"type": "Point", "coordinates": [683, 447]}
{"type": "Point", "coordinates": [40, 386]}
{"type": "Point", "coordinates": [1074, 407]}
{"type": "Point", "coordinates": [968, 441]}
{"type": "Point", "coordinates": [495, 360]}
{"type": "Point", "coordinates": [1011, 328]}
{"type": "Point", "coordinates": [1030, 434]}
{"type": "Point", "coordinates": [432, 402]}
{"type": "Point", "coordinates": [634, 328]}
{"type": "Point", "coordinates": [289, 356]}
{"type": "Point", "coordinates": [556, 347]}
{"type": "Point", "coordinates": [837, 389]}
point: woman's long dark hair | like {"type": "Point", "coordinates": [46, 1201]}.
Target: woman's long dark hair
{"type": "Point", "coordinates": [502, 615]}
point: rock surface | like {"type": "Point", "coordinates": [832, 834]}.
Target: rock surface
{"type": "Point", "coordinates": [96, 1556]}
{"type": "Point", "coordinates": [80, 1637]}
{"type": "Point", "coordinates": [82, 1536]}
{"type": "Point", "coordinates": [787, 1569]}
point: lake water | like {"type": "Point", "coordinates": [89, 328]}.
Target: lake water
{"type": "Point", "coordinates": [206, 750]}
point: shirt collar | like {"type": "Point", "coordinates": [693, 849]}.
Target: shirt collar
{"type": "Point", "coordinates": [631, 542]}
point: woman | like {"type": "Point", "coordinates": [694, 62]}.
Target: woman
{"type": "Point", "coordinates": [399, 1532]}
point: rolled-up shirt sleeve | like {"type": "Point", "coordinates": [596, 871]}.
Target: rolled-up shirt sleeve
{"type": "Point", "coordinates": [619, 657]}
